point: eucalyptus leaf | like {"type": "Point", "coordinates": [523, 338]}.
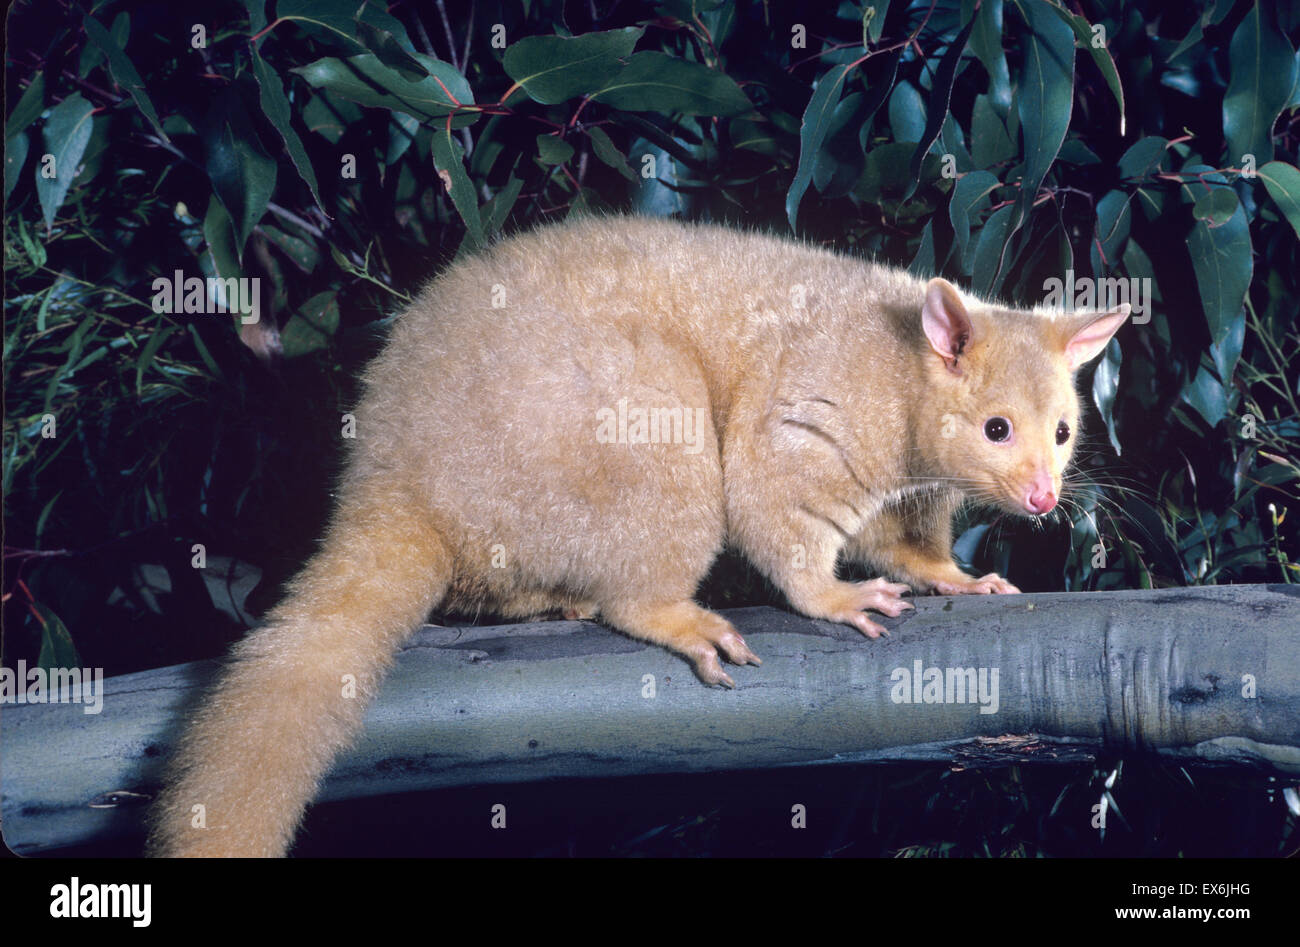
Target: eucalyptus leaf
{"type": "Point", "coordinates": [873, 20]}
{"type": "Point", "coordinates": [242, 174]}
{"type": "Point", "coordinates": [275, 105]}
{"type": "Point", "coordinates": [57, 648]}
{"type": "Point", "coordinates": [1216, 206]}
{"type": "Point", "coordinates": [123, 73]}
{"type": "Point", "coordinates": [1206, 394]}
{"type": "Point", "coordinates": [311, 327]}
{"type": "Point", "coordinates": [447, 158]}
{"type": "Point", "coordinates": [1282, 181]}
{"type": "Point", "coordinates": [66, 134]}
{"type": "Point", "coordinates": [496, 211]}
{"type": "Point", "coordinates": [554, 69]}
{"type": "Point", "coordinates": [940, 96]}
{"type": "Point", "coordinates": [605, 149]}
{"type": "Point", "coordinates": [1100, 55]}
{"type": "Point", "coordinates": [907, 113]}
{"type": "Point", "coordinates": [1143, 157]}
{"type": "Point", "coordinates": [990, 144]}
{"type": "Point", "coordinates": [812, 131]}
{"type": "Point", "coordinates": [1221, 259]}
{"type": "Point", "coordinates": [986, 44]}
{"type": "Point", "coordinates": [986, 264]}
{"type": "Point", "coordinates": [367, 81]}
{"type": "Point", "coordinates": [1114, 219]}
{"type": "Point", "coordinates": [29, 107]}
{"type": "Point", "coordinates": [1262, 73]}
{"type": "Point", "coordinates": [657, 82]}
{"type": "Point", "coordinates": [969, 195]}
{"type": "Point", "coordinates": [1105, 388]}
{"type": "Point", "coordinates": [552, 150]}
{"type": "Point", "coordinates": [1045, 97]}
{"type": "Point", "coordinates": [15, 158]}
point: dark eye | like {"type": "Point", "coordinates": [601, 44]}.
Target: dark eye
{"type": "Point", "coordinates": [1062, 433]}
{"type": "Point", "coordinates": [997, 429]}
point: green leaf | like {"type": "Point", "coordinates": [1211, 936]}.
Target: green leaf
{"type": "Point", "coordinates": [907, 118]}
{"type": "Point", "coordinates": [753, 136]}
{"type": "Point", "coordinates": [816, 122]}
{"type": "Point", "coordinates": [367, 81]}
{"type": "Point", "coordinates": [344, 20]}
{"type": "Point", "coordinates": [1074, 151]}
{"type": "Point", "coordinates": [1114, 219]}
{"type": "Point", "coordinates": [256, 15]}
{"type": "Point", "coordinates": [1105, 386]}
{"type": "Point", "coordinates": [1143, 157]}
{"type": "Point", "coordinates": [608, 152]}
{"type": "Point", "coordinates": [386, 46]}
{"type": "Point", "coordinates": [156, 340]}
{"type": "Point", "coordinates": [57, 649]}
{"type": "Point", "coordinates": [1045, 96]}
{"type": "Point", "coordinates": [657, 196]}
{"type": "Point", "coordinates": [123, 73]}
{"type": "Point", "coordinates": [873, 20]}
{"type": "Point", "coordinates": [335, 16]}
{"type": "Point", "coordinates": [923, 264]}
{"type": "Point", "coordinates": [311, 327]}
{"type": "Point", "coordinates": [300, 252]}
{"type": "Point", "coordinates": [1227, 352]}
{"type": "Point", "coordinates": [885, 175]}
{"type": "Point", "coordinates": [989, 141]}
{"type": "Point", "coordinates": [29, 107]}
{"type": "Point", "coordinates": [656, 82]}
{"type": "Point", "coordinates": [66, 133]}
{"type": "Point", "coordinates": [988, 250]}
{"type": "Point", "coordinates": [552, 150]}
{"type": "Point", "coordinates": [1216, 206]}
{"type": "Point", "coordinates": [940, 96]}
{"type": "Point", "coordinates": [554, 69]}
{"type": "Point", "coordinates": [969, 194]}
{"type": "Point", "coordinates": [15, 158]}
{"type": "Point", "coordinates": [447, 158]}
{"type": "Point", "coordinates": [204, 354]}
{"type": "Point", "coordinates": [242, 174]}
{"type": "Point", "coordinates": [1222, 262]}
{"type": "Point", "coordinates": [840, 159]}
{"type": "Point", "coordinates": [275, 105]}
{"type": "Point", "coordinates": [219, 233]}
{"type": "Point", "coordinates": [497, 210]}
{"type": "Point", "coordinates": [1100, 55]}
{"type": "Point", "coordinates": [401, 135]}
{"type": "Point", "coordinates": [986, 44]}
{"type": "Point", "coordinates": [1206, 394]}
{"type": "Point", "coordinates": [1259, 85]}
{"type": "Point", "coordinates": [1282, 181]}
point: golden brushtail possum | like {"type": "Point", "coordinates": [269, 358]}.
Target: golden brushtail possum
{"type": "Point", "coordinates": [580, 418]}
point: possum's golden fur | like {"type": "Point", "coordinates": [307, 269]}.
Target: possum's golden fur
{"type": "Point", "coordinates": [840, 408]}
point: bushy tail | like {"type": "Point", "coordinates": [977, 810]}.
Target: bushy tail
{"type": "Point", "coordinates": [294, 691]}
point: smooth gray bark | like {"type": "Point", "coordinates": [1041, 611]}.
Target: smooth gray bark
{"type": "Point", "coordinates": [1208, 674]}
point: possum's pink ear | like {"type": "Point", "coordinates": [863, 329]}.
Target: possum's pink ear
{"type": "Point", "coordinates": [1088, 341]}
{"type": "Point", "coordinates": [945, 321]}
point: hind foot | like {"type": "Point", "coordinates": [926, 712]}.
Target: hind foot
{"type": "Point", "coordinates": [695, 633]}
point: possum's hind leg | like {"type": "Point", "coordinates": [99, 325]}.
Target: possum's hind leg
{"type": "Point", "coordinates": [693, 632]}
{"type": "Point", "coordinates": [294, 691]}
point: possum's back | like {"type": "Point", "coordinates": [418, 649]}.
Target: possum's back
{"type": "Point", "coordinates": [543, 328]}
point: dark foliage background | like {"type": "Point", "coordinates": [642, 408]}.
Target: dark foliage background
{"type": "Point", "coordinates": [343, 152]}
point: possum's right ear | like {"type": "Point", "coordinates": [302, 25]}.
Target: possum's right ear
{"type": "Point", "coordinates": [945, 321]}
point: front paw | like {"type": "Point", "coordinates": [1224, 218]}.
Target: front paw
{"type": "Point", "coordinates": [847, 603]}
{"type": "Point", "coordinates": [986, 585]}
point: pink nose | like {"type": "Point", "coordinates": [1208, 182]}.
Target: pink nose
{"type": "Point", "coordinates": [1040, 499]}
